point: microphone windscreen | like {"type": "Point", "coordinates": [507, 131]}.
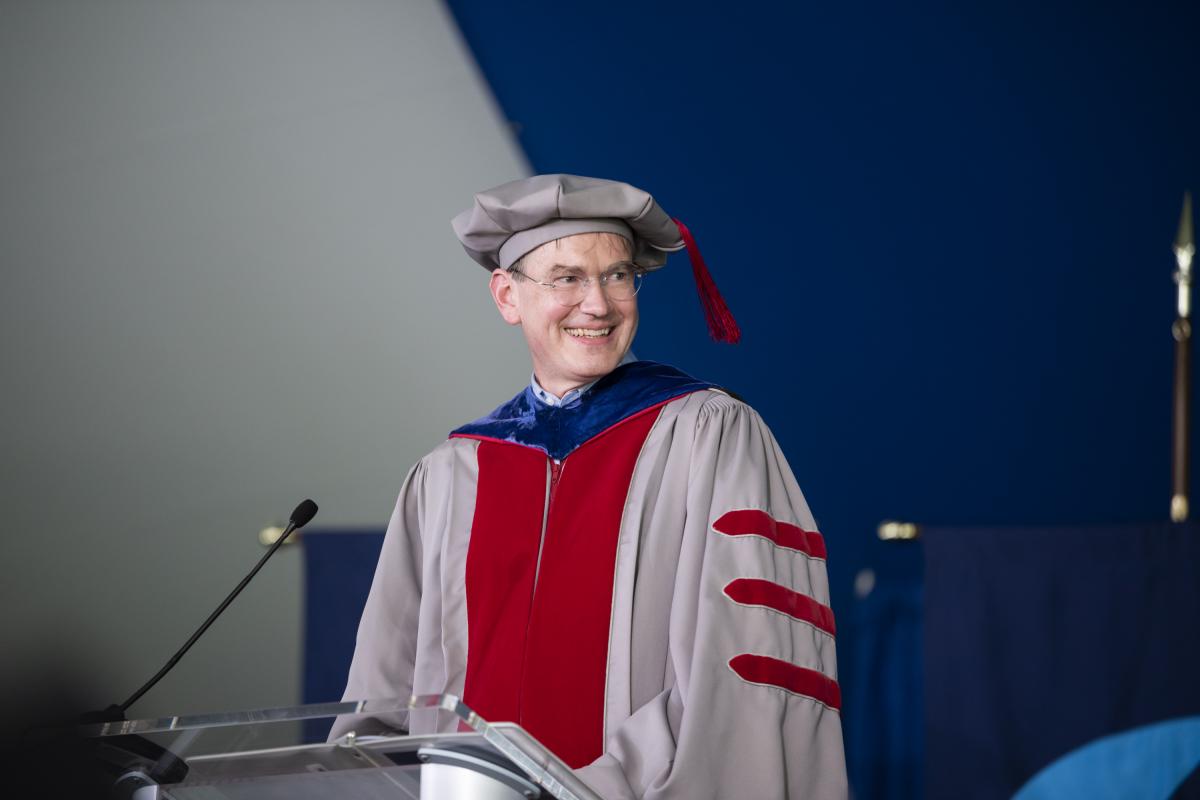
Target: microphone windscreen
{"type": "Point", "coordinates": [304, 514]}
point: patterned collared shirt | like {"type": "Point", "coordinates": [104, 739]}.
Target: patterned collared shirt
{"type": "Point", "coordinates": [551, 400]}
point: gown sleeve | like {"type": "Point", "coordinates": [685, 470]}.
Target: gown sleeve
{"type": "Point", "coordinates": [751, 706]}
{"type": "Point", "coordinates": [385, 651]}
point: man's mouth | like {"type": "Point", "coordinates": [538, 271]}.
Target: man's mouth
{"type": "Point", "coordinates": [589, 333]}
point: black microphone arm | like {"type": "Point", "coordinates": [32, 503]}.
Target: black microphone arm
{"type": "Point", "coordinates": [301, 516]}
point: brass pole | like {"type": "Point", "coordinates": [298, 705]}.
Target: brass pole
{"type": "Point", "coordinates": [1185, 249]}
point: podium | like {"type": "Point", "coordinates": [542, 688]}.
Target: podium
{"type": "Point", "coordinates": [254, 754]}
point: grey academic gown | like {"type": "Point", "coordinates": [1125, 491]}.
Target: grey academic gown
{"type": "Point", "coordinates": [719, 676]}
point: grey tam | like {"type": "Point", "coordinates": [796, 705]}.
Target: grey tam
{"type": "Point", "coordinates": [514, 218]}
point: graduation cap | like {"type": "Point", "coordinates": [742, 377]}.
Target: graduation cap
{"type": "Point", "coordinates": [505, 223]}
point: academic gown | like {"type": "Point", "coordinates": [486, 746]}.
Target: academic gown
{"type": "Point", "coordinates": [635, 578]}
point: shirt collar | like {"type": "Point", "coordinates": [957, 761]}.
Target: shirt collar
{"type": "Point", "coordinates": [551, 400]}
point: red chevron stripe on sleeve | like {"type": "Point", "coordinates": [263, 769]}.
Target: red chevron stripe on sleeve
{"type": "Point", "coordinates": [758, 592]}
{"type": "Point", "coordinates": [752, 522]}
{"type": "Point", "coordinates": [768, 671]}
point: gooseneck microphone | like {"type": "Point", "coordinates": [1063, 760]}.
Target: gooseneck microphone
{"type": "Point", "coordinates": [130, 762]}
{"type": "Point", "coordinates": [301, 516]}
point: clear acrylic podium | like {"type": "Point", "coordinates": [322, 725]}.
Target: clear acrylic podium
{"type": "Point", "coordinates": [249, 754]}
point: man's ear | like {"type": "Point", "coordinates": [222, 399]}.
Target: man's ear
{"type": "Point", "coordinates": [504, 292]}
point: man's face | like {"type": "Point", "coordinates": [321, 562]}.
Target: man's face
{"type": "Point", "coordinates": [570, 345]}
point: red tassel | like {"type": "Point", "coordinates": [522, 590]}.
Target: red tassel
{"type": "Point", "coordinates": [721, 324]}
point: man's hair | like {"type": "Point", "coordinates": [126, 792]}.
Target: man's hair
{"type": "Point", "coordinates": [518, 265]}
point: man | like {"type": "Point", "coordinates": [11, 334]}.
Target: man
{"type": "Point", "coordinates": [618, 558]}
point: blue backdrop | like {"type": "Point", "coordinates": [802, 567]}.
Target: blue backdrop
{"type": "Point", "coordinates": [945, 229]}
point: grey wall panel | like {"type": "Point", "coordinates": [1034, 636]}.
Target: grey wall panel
{"type": "Point", "coordinates": [229, 283]}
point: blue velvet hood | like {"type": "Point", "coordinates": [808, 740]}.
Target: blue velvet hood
{"type": "Point", "coordinates": [558, 431]}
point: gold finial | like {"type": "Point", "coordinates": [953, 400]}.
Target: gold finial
{"type": "Point", "coordinates": [1185, 249]}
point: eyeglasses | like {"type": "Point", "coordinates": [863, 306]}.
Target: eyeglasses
{"type": "Point", "coordinates": [621, 283]}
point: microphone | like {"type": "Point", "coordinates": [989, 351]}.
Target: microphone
{"type": "Point", "coordinates": [301, 516]}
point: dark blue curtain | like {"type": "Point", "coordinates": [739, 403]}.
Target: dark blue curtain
{"type": "Point", "coordinates": [884, 704]}
{"type": "Point", "coordinates": [1070, 652]}
{"type": "Point", "coordinates": [338, 569]}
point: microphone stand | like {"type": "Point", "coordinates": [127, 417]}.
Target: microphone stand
{"type": "Point", "coordinates": [137, 761]}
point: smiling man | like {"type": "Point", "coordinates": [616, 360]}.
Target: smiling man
{"type": "Point", "coordinates": [580, 315]}
{"type": "Point", "coordinates": [618, 558]}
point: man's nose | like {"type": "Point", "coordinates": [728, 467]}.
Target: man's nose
{"type": "Point", "coordinates": [595, 299]}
